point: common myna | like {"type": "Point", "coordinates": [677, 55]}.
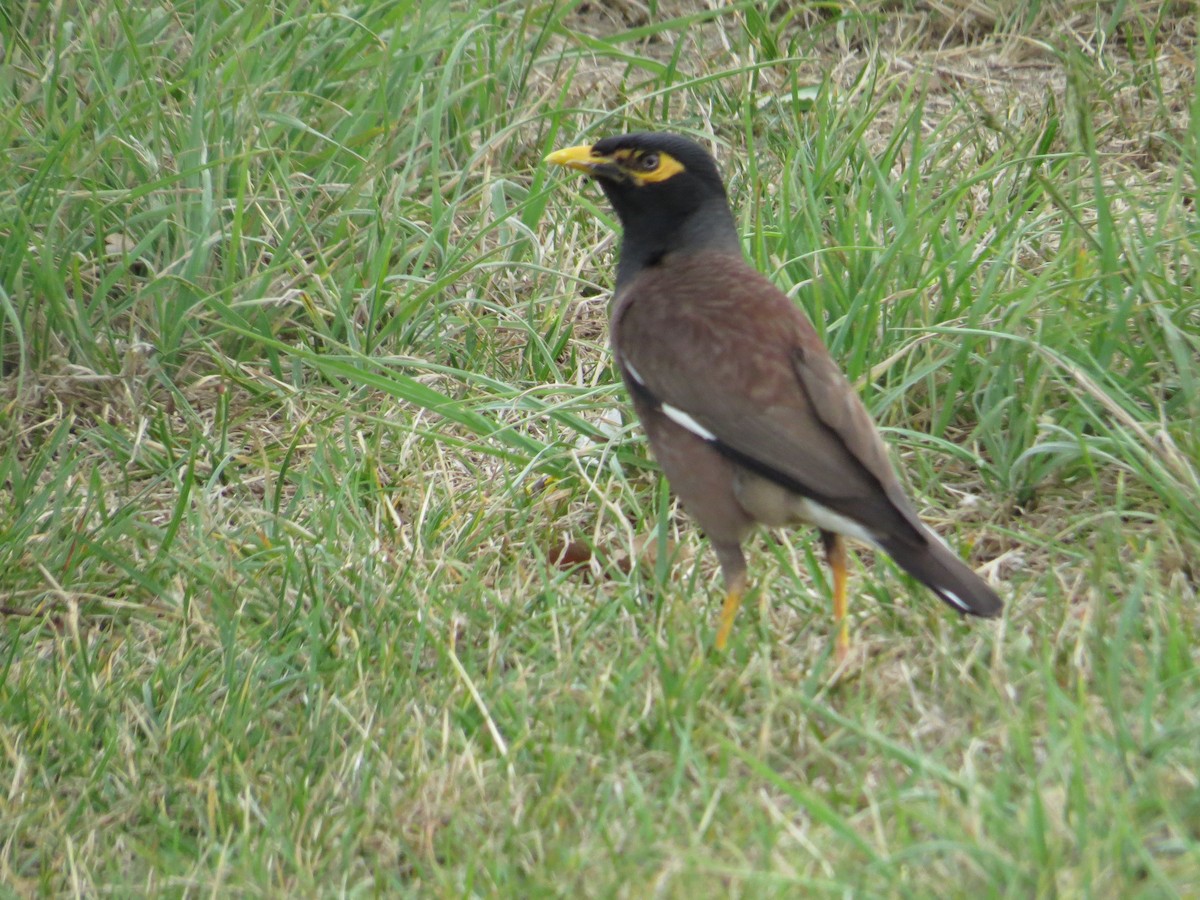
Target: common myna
{"type": "Point", "coordinates": [749, 417]}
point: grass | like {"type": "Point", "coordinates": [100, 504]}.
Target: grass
{"type": "Point", "coordinates": [305, 384]}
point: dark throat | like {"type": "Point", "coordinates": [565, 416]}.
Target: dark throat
{"type": "Point", "coordinates": [652, 234]}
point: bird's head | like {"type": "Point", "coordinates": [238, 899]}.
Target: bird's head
{"type": "Point", "coordinates": [666, 191]}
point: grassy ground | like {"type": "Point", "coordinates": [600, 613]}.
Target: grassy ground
{"type": "Point", "coordinates": [305, 386]}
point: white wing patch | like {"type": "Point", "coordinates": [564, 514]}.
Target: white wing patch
{"type": "Point", "coordinates": [633, 373]}
{"type": "Point", "coordinates": [683, 420]}
{"type": "Point", "coordinates": [676, 415]}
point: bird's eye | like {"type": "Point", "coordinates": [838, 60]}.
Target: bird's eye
{"type": "Point", "coordinates": [648, 162]}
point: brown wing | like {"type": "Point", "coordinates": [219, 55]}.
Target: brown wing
{"type": "Point", "coordinates": [712, 338]}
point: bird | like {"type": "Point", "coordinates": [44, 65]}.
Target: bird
{"type": "Point", "coordinates": [746, 412]}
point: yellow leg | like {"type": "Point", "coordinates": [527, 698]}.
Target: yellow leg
{"type": "Point", "coordinates": [835, 552]}
{"type": "Point", "coordinates": [733, 600]}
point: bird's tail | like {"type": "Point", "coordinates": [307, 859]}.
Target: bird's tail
{"type": "Point", "coordinates": [941, 570]}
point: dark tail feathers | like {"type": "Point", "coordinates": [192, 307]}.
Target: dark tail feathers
{"type": "Point", "coordinates": [938, 568]}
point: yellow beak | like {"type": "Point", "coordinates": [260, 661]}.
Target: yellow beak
{"type": "Point", "coordinates": [579, 158]}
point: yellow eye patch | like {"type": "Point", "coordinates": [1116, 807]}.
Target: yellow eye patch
{"type": "Point", "coordinates": [639, 166]}
{"type": "Point", "coordinates": [648, 166]}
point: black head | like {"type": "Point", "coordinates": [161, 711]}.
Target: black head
{"type": "Point", "coordinates": [665, 189]}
